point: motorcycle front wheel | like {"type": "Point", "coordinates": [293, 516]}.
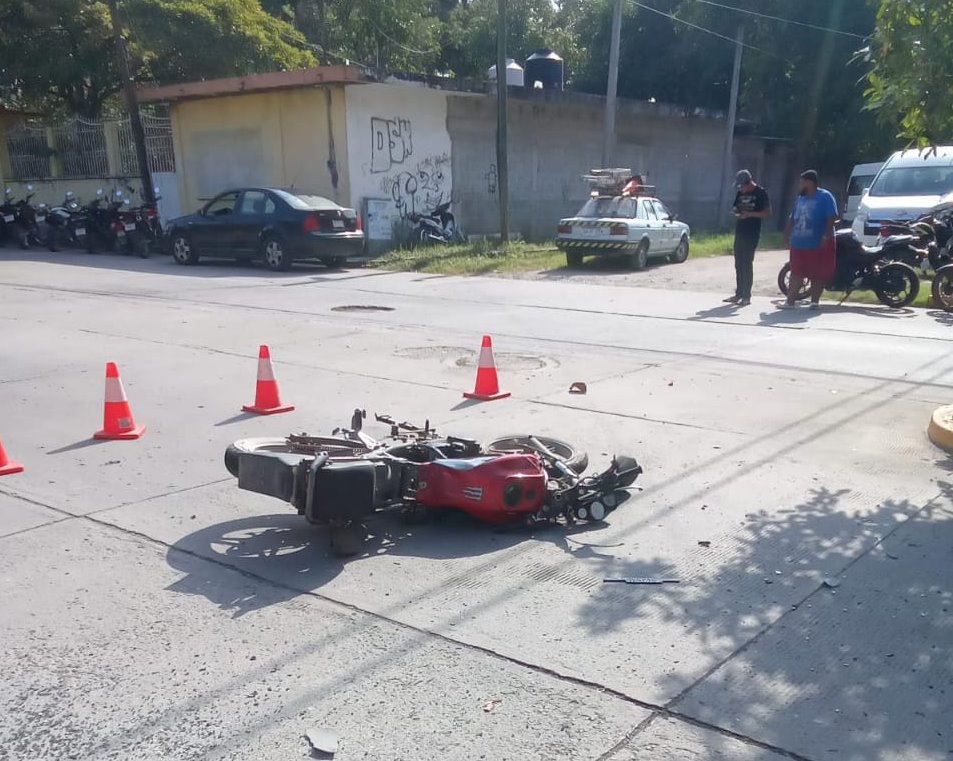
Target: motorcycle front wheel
{"type": "Point", "coordinates": [575, 459]}
{"type": "Point", "coordinates": [784, 284]}
{"type": "Point", "coordinates": [897, 285]}
{"type": "Point", "coordinates": [943, 288]}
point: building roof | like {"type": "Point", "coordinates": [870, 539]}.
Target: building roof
{"type": "Point", "coordinates": [252, 83]}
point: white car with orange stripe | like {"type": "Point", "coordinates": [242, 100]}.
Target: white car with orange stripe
{"type": "Point", "coordinates": [638, 228]}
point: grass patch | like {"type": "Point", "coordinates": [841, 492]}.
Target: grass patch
{"type": "Point", "coordinates": [483, 257]}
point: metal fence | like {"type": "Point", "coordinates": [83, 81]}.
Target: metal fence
{"type": "Point", "coordinates": [29, 151]}
{"type": "Point", "coordinates": [78, 148]}
{"type": "Point", "coordinates": [81, 148]}
{"type": "Point", "coordinates": [158, 131]}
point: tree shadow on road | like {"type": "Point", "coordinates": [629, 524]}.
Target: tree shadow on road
{"type": "Point", "coordinates": [829, 629]}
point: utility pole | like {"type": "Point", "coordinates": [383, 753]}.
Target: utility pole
{"type": "Point", "coordinates": [132, 105]}
{"type": "Point", "coordinates": [608, 134]}
{"type": "Point", "coordinates": [732, 118]}
{"type": "Point", "coordinates": [502, 163]}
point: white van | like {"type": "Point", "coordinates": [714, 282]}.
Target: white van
{"type": "Point", "coordinates": [909, 184]}
{"type": "Point", "coordinates": [861, 178]}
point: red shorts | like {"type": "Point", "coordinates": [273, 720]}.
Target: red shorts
{"type": "Point", "coordinates": [817, 264]}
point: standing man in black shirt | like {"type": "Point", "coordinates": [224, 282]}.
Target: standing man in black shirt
{"type": "Point", "coordinates": [751, 206]}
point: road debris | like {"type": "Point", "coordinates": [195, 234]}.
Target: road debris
{"type": "Point", "coordinates": [578, 388]}
{"type": "Point", "coordinates": [831, 583]}
{"type": "Point", "coordinates": [704, 543]}
{"type": "Point", "coordinates": [490, 705]}
{"type": "Point", "coordinates": [640, 580]}
{"type": "Point", "coordinates": [322, 740]}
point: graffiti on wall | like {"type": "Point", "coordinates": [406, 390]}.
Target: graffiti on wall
{"type": "Point", "coordinates": [422, 189]}
{"type": "Point", "coordinates": [491, 180]}
{"type": "Point", "coordinates": [392, 143]}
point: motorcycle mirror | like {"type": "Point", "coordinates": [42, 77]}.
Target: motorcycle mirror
{"type": "Point", "coordinates": [29, 188]}
{"type": "Point", "coordinates": [156, 190]}
{"type": "Point", "coordinates": [125, 201]}
{"type": "Point", "coordinates": [99, 191]}
{"type": "Point", "coordinates": [69, 193]}
{"type": "Point", "coordinates": [8, 192]}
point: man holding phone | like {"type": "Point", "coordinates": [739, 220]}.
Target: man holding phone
{"type": "Point", "coordinates": [751, 206]}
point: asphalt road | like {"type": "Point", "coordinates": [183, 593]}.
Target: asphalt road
{"type": "Point", "coordinates": [151, 610]}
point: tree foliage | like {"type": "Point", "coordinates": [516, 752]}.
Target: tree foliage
{"type": "Point", "coordinates": [60, 53]}
{"type": "Point", "coordinates": [798, 80]}
{"type": "Point", "coordinates": [911, 69]}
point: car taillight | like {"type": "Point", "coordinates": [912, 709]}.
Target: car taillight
{"type": "Point", "coordinates": [358, 224]}
{"type": "Point", "coordinates": [619, 230]}
{"type": "Point", "coordinates": [564, 229]}
{"type": "Point", "coordinates": [311, 223]}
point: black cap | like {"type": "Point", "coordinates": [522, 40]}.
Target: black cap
{"type": "Point", "coordinates": [811, 175]}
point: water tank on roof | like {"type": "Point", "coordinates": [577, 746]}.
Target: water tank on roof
{"type": "Point", "coordinates": [514, 73]}
{"type": "Point", "coordinates": [546, 68]}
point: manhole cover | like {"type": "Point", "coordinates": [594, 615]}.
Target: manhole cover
{"type": "Point", "coordinates": [458, 356]}
{"type": "Point", "coordinates": [362, 308]}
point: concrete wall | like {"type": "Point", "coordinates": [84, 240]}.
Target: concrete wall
{"type": "Point", "coordinates": [398, 148]}
{"type": "Point", "coordinates": [283, 138]}
{"type": "Point", "coordinates": [555, 138]}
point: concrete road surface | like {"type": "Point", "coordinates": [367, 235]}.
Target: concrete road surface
{"type": "Point", "coordinates": [151, 610]}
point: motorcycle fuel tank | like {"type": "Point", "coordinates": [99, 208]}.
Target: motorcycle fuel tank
{"type": "Point", "coordinates": [495, 490]}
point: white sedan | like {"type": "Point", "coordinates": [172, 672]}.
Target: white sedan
{"type": "Point", "coordinates": [638, 228]}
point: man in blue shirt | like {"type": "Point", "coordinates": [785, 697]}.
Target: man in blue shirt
{"type": "Point", "coordinates": [809, 234]}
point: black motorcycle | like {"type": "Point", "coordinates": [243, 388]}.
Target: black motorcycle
{"type": "Point", "coordinates": [862, 268]}
{"type": "Point", "coordinates": [19, 219]}
{"type": "Point", "coordinates": [438, 226]}
{"type": "Point", "coordinates": [105, 228]}
{"type": "Point", "coordinates": [66, 224]}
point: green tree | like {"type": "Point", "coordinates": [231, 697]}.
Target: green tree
{"type": "Point", "coordinates": [59, 54]}
{"type": "Point", "coordinates": [911, 75]}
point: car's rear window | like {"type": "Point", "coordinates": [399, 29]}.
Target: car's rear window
{"type": "Point", "coordinates": [306, 201]}
{"type": "Point", "coordinates": [618, 207]}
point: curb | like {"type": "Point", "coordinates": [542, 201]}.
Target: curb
{"type": "Point", "coordinates": [940, 429]}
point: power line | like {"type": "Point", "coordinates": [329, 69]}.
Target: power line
{"type": "Point", "coordinates": [673, 17]}
{"type": "Point", "coordinates": [783, 20]}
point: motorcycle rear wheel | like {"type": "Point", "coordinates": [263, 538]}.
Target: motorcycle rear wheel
{"type": "Point", "coordinates": [575, 459]}
{"type": "Point", "coordinates": [943, 288]}
{"type": "Point", "coordinates": [335, 447]}
{"type": "Point", "coordinates": [897, 285]}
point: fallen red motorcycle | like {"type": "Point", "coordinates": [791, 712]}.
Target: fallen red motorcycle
{"type": "Point", "coordinates": [342, 480]}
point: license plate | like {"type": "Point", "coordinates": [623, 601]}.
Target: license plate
{"type": "Point", "coordinates": [337, 224]}
{"type": "Point", "coordinates": [80, 231]}
{"type": "Point", "coordinates": [130, 226]}
{"type": "Point", "coordinates": [590, 232]}
{"type": "Point", "coordinates": [41, 217]}
{"type": "Point", "coordinates": [8, 218]}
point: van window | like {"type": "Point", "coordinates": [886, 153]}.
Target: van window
{"type": "Point", "coordinates": [914, 181]}
{"type": "Point", "coordinates": [859, 183]}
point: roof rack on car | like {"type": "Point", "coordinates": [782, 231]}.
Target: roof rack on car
{"type": "Point", "coordinates": [616, 182]}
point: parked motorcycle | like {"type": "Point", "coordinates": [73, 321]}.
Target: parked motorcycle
{"type": "Point", "coordinates": [342, 480]}
{"type": "Point", "coordinates": [860, 268]}
{"type": "Point", "coordinates": [19, 219]}
{"type": "Point", "coordinates": [106, 230]}
{"type": "Point", "coordinates": [142, 227]}
{"type": "Point", "coordinates": [439, 226]}
{"type": "Point", "coordinates": [66, 224]}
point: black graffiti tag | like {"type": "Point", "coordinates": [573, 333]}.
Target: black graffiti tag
{"type": "Point", "coordinates": [392, 143]}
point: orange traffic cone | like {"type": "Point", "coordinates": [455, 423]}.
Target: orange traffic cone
{"type": "Point", "coordinates": [267, 400]}
{"type": "Point", "coordinates": [487, 384]}
{"type": "Point", "coordinates": [7, 466]}
{"type": "Point", "coordinates": [117, 417]}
